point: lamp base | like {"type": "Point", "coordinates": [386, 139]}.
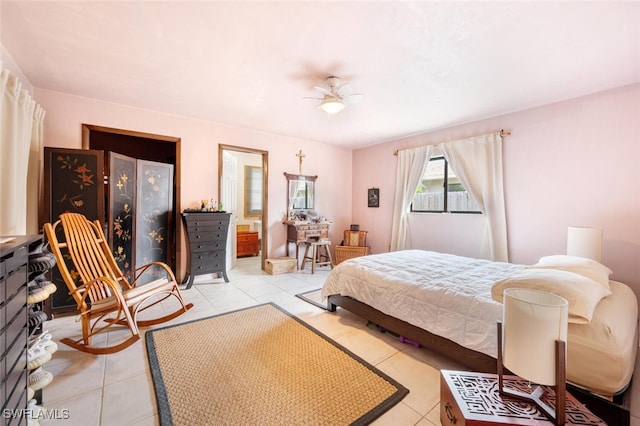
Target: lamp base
{"type": "Point", "coordinates": [557, 416]}
{"type": "Point", "coordinates": [535, 398]}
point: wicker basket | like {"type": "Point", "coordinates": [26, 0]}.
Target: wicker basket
{"type": "Point", "coordinates": [280, 265]}
{"type": "Point", "coordinates": [347, 252]}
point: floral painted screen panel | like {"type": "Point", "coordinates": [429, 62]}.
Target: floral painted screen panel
{"type": "Point", "coordinates": [154, 212]}
{"type": "Point", "coordinates": [121, 211]}
{"type": "Point", "coordinates": [73, 182]}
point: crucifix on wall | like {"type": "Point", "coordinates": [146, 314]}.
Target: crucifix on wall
{"type": "Point", "coordinates": [300, 156]}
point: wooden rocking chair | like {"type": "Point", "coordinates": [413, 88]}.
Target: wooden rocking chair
{"type": "Point", "coordinates": [105, 292]}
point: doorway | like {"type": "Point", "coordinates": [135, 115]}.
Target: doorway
{"type": "Point", "coordinates": [235, 196]}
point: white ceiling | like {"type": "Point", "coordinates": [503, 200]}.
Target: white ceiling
{"type": "Point", "coordinates": [421, 65]}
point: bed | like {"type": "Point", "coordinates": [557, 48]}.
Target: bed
{"type": "Point", "coordinates": [451, 304]}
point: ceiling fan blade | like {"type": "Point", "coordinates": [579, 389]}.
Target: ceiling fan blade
{"type": "Point", "coordinates": [353, 99]}
{"type": "Point", "coordinates": [345, 90]}
{"type": "Point", "coordinates": [323, 90]}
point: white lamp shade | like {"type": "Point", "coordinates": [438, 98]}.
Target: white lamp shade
{"type": "Point", "coordinates": [584, 242]}
{"type": "Point", "coordinates": [532, 322]}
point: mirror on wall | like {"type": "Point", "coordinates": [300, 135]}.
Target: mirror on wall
{"type": "Point", "coordinates": [301, 192]}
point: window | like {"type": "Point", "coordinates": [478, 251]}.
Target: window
{"type": "Point", "coordinates": [252, 191]}
{"type": "Point", "coordinates": [441, 191]}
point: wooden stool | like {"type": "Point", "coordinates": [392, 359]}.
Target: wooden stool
{"type": "Point", "coordinates": [320, 254]}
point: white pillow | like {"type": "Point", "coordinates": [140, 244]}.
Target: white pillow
{"type": "Point", "coordinates": [579, 265]}
{"type": "Point", "coordinates": [582, 293]}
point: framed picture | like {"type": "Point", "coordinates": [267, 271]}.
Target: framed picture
{"type": "Point", "coordinates": [373, 195]}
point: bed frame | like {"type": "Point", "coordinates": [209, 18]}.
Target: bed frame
{"type": "Point", "coordinates": [615, 412]}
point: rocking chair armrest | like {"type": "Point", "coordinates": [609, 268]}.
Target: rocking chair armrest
{"type": "Point", "coordinates": [138, 272]}
{"type": "Point", "coordinates": [116, 290]}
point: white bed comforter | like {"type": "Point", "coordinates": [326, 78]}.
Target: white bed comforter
{"type": "Point", "coordinates": [450, 295]}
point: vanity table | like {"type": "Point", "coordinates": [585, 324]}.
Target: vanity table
{"type": "Point", "coordinates": [299, 232]}
{"type": "Point", "coordinates": [300, 204]}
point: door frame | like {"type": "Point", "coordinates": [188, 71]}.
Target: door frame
{"type": "Point", "coordinates": [265, 192]}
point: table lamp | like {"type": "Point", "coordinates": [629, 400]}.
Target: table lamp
{"type": "Point", "coordinates": [532, 344]}
{"type": "Point", "coordinates": [584, 242]}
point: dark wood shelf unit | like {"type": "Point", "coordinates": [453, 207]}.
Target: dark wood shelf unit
{"type": "Point", "coordinates": [207, 244]}
{"type": "Point", "coordinates": [14, 329]}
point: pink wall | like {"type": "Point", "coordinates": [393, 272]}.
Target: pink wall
{"type": "Point", "coordinates": [200, 139]}
{"type": "Point", "coordinates": [575, 162]}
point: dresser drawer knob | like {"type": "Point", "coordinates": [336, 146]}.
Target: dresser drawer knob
{"type": "Point", "coordinates": [449, 412]}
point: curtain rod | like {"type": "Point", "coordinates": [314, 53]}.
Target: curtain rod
{"type": "Point", "coordinates": [503, 133]}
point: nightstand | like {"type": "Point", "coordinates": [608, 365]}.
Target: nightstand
{"type": "Point", "coordinates": [468, 398]}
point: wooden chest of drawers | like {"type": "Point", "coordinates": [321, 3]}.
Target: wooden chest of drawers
{"type": "Point", "coordinates": [207, 242]}
{"type": "Point", "coordinates": [247, 244]}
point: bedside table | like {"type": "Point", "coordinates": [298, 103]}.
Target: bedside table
{"type": "Point", "coordinates": [468, 398]}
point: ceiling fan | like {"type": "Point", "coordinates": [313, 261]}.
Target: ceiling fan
{"type": "Point", "coordinates": [336, 96]}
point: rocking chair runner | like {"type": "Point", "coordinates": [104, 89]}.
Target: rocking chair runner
{"type": "Point", "coordinates": [105, 292]}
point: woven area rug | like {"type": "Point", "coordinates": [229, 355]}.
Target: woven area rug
{"type": "Point", "coordinates": [262, 366]}
{"type": "Point", "coordinates": [314, 297]}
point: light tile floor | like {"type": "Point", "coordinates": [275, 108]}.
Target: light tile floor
{"type": "Point", "coordinates": [117, 389]}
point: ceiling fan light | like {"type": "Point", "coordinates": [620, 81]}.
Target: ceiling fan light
{"type": "Point", "coordinates": [332, 106]}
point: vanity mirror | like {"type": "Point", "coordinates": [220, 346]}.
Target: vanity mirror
{"type": "Point", "coordinates": [303, 223]}
{"type": "Point", "coordinates": [301, 192]}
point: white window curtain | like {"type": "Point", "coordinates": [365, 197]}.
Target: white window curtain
{"type": "Point", "coordinates": [21, 142]}
{"type": "Point", "coordinates": [412, 164]}
{"type": "Point", "coordinates": [478, 163]}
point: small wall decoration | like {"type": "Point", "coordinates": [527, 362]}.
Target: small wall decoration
{"type": "Point", "coordinates": [373, 195]}
{"type": "Point", "coordinates": [300, 156]}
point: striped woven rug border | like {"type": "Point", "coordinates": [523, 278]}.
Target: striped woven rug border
{"type": "Point", "coordinates": [313, 297]}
